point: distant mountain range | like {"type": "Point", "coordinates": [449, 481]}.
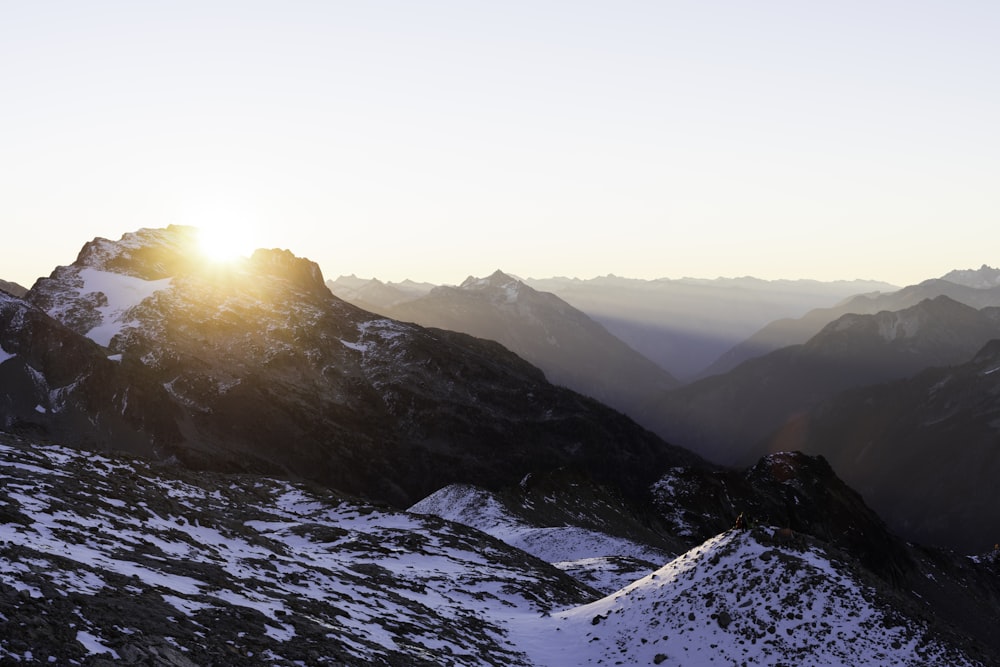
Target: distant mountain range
{"type": "Point", "coordinates": [681, 325]}
{"type": "Point", "coordinates": [729, 417]}
{"type": "Point", "coordinates": [784, 332]}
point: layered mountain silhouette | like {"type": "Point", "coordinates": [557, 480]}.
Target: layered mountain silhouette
{"type": "Point", "coordinates": [374, 295]}
{"type": "Point", "coordinates": [728, 417]}
{"type": "Point", "coordinates": [256, 366]}
{"type": "Point", "coordinates": [568, 346]}
{"type": "Point", "coordinates": [977, 289]}
{"type": "Point", "coordinates": [684, 325]}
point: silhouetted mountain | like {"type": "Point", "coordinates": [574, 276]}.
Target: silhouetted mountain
{"type": "Point", "coordinates": [684, 325]}
{"type": "Point", "coordinates": [784, 332]}
{"type": "Point", "coordinates": [570, 348]}
{"type": "Point", "coordinates": [923, 450]}
{"type": "Point", "coordinates": [727, 417]}
{"type": "Point", "coordinates": [13, 288]}
{"type": "Point", "coordinates": [259, 367]}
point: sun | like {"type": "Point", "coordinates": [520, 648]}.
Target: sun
{"type": "Point", "coordinates": [225, 242]}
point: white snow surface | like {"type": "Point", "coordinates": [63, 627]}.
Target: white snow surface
{"type": "Point", "coordinates": [593, 557]}
{"type": "Point", "coordinates": [384, 584]}
{"type": "Point", "coordinates": [5, 355]}
{"type": "Point", "coordinates": [777, 605]}
{"type": "Point", "coordinates": [122, 293]}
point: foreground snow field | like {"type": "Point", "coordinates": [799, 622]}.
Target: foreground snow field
{"type": "Point", "coordinates": [109, 559]}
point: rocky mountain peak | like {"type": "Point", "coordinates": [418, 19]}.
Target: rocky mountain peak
{"type": "Point", "coordinates": [149, 254]}
{"type": "Point", "coordinates": [285, 265]}
{"type": "Point", "coordinates": [496, 279]}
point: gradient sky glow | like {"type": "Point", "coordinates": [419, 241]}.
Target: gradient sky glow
{"type": "Point", "coordinates": [434, 140]}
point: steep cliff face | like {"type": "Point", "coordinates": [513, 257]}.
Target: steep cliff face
{"type": "Point", "coordinates": [266, 370]}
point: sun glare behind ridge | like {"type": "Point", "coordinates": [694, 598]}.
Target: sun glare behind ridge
{"type": "Point", "coordinates": [225, 234]}
{"type": "Point", "coordinates": [224, 243]}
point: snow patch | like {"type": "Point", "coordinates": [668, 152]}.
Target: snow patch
{"type": "Point", "coordinates": [122, 293]}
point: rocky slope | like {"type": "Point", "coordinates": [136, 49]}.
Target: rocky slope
{"type": "Point", "coordinates": [729, 418]}
{"type": "Point", "coordinates": [108, 560]}
{"type": "Point", "coordinates": [568, 346]}
{"type": "Point", "coordinates": [256, 366]}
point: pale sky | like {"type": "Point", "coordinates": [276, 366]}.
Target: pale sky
{"type": "Point", "coordinates": [433, 140]}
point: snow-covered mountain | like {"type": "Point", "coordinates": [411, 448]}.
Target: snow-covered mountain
{"type": "Point", "coordinates": [108, 560]}
{"type": "Point", "coordinates": [256, 366]}
{"type": "Point", "coordinates": [568, 346]}
{"type": "Point", "coordinates": [603, 561]}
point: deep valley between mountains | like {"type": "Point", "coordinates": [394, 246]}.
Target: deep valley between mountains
{"type": "Point", "coordinates": [231, 464]}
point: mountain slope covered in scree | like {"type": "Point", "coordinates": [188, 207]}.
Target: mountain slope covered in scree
{"type": "Point", "coordinates": [106, 560]}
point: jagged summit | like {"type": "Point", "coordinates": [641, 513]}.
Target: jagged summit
{"type": "Point", "coordinates": [285, 265]}
{"type": "Point", "coordinates": [982, 278]}
{"type": "Point", "coordinates": [498, 280]}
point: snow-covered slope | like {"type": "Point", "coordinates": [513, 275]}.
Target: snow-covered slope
{"type": "Point", "coordinates": [113, 559]}
{"type": "Point", "coordinates": [602, 561]}
{"type": "Point", "coordinates": [147, 565]}
{"type": "Point", "coordinates": [756, 597]}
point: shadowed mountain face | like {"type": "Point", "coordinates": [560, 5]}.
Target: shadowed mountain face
{"type": "Point", "coordinates": [976, 289]}
{"type": "Point", "coordinates": [258, 367]}
{"type": "Point", "coordinates": [727, 418]}
{"type": "Point", "coordinates": [570, 348]}
{"type": "Point", "coordinates": [925, 451]}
